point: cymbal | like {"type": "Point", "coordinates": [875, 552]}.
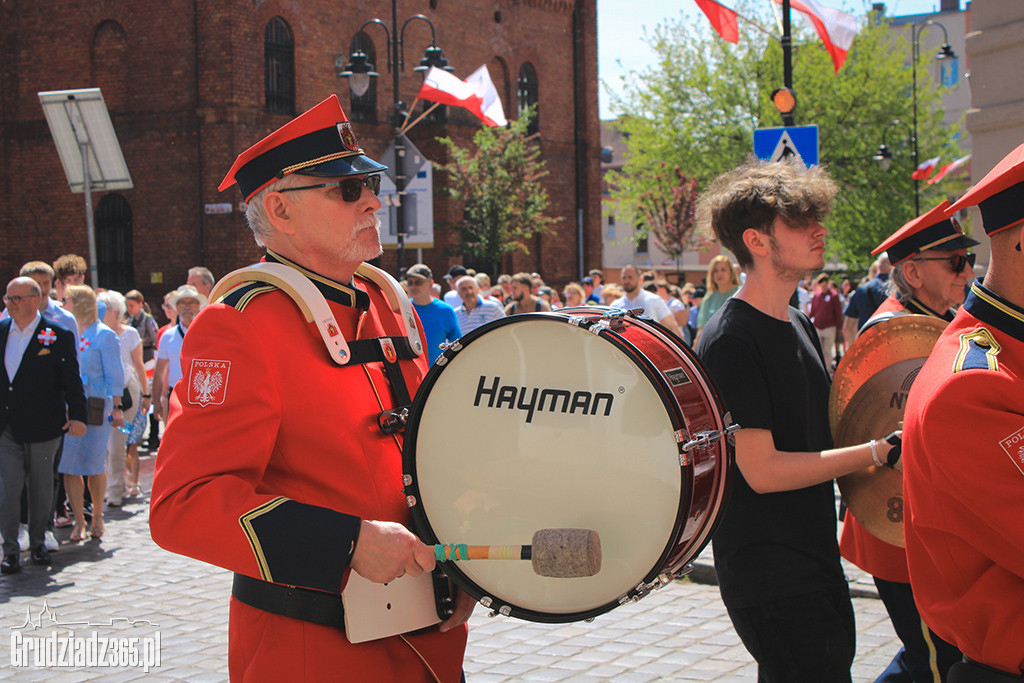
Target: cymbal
{"type": "Point", "coordinates": [881, 345]}
{"type": "Point", "coordinates": [867, 401]}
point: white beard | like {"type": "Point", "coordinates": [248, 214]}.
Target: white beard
{"type": "Point", "coordinates": [356, 251]}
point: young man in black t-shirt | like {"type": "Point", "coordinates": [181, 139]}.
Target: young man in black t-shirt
{"type": "Point", "coordinates": [775, 549]}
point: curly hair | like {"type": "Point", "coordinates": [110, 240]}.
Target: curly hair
{"type": "Point", "coordinates": [755, 194]}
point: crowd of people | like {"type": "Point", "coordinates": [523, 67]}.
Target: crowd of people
{"type": "Point", "coordinates": [308, 438]}
{"type": "Point", "coordinates": [70, 465]}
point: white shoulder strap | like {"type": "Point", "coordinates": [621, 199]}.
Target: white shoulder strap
{"type": "Point", "coordinates": [398, 299]}
{"type": "Point", "coordinates": [308, 298]}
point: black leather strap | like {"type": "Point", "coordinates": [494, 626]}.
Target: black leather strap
{"type": "Point", "coordinates": [970, 671]}
{"type": "Point", "coordinates": [317, 607]}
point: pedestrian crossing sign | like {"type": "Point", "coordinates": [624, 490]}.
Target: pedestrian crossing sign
{"type": "Point", "coordinates": [775, 144]}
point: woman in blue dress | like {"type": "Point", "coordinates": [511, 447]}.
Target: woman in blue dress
{"type": "Point", "coordinates": [103, 379]}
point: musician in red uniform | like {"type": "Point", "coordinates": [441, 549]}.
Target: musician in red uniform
{"type": "Point", "coordinates": [273, 464]}
{"type": "Point", "coordinates": [929, 272]}
{"type": "Point", "coordinates": [964, 453]}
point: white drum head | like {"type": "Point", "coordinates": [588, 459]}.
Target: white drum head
{"type": "Point", "coordinates": [490, 470]}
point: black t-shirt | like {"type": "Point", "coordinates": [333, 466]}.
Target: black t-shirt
{"type": "Point", "coordinates": [771, 375]}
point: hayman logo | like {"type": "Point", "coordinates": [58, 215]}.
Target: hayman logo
{"type": "Point", "coordinates": [535, 399]}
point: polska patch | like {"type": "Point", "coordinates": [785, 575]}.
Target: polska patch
{"type": "Point", "coordinates": [208, 382]}
{"type": "Point", "coordinates": [1013, 445]}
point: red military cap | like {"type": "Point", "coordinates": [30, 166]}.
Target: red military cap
{"type": "Point", "coordinates": [933, 230]}
{"type": "Point", "coordinates": [999, 195]}
{"type": "Point", "coordinates": [320, 142]}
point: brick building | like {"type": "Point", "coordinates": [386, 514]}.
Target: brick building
{"type": "Point", "coordinates": [191, 83]}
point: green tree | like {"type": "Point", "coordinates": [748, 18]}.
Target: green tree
{"type": "Point", "coordinates": [498, 179]}
{"type": "Point", "coordinates": [698, 106]}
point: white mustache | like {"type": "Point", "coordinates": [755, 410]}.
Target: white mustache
{"type": "Point", "coordinates": [371, 222]}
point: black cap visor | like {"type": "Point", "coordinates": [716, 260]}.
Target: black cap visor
{"type": "Point", "coordinates": [345, 166]}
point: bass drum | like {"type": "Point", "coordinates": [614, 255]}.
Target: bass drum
{"type": "Point", "coordinates": [583, 418]}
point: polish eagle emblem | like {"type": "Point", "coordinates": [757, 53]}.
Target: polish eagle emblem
{"type": "Point", "coordinates": [206, 384]}
{"type": "Point", "coordinates": [207, 381]}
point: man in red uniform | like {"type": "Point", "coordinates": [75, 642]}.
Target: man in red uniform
{"type": "Point", "coordinates": [929, 271]}
{"type": "Point", "coordinates": [964, 453]}
{"type": "Point", "coordinates": [273, 464]}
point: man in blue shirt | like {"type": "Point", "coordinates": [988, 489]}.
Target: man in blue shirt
{"type": "Point", "coordinates": [438, 318]}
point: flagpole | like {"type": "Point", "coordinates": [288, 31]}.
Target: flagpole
{"type": "Point", "coordinates": [420, 117]}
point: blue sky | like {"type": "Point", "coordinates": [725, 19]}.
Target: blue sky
{"type": "Point", "coordinates": [621, 23]}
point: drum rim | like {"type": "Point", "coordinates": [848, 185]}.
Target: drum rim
{"type": "Point", "coordinates": [421, 525]}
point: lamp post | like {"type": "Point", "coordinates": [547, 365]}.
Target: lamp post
{"type": "Point", "coordinates": [884, 156]}
{"type": "Point", "coordinates": [945, 52]}
{"type": "Point", "coordinates": [359, 71]}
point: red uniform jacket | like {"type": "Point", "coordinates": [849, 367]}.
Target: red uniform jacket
{"type": "Point", "coordinates": [963, 459]}
{"type": "Point", "coordinates": [271, 457]}
{"type": "Point", "coordinates": [857, 544]}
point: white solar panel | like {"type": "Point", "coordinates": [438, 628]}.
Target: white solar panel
{"type": "Point", "coordinates": [77, 118]}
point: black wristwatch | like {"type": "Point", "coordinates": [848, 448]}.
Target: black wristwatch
{"type": "Point", "coordinates": [896, 451]}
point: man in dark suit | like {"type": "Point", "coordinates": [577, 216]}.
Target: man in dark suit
{"type": "Point", "coordinates": [41, 396]}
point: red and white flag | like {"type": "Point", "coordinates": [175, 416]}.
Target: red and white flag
{"type": "Point", "coordinates": [836, 29]}
{"type": "Point", "coordinates": [722, 18]}
{"type": "Point", "coordinates": [925, 169]}
{"type": "Point", "coordinates": [949, 168]}
{"type": "Point", "coordinates": [477, 94]}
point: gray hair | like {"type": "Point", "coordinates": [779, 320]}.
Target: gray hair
{"type": "Point", "coordinates": [898, 285]}
{"type": "Point", "coordinates": [204, 273]}
{"type": "Point", "coordinates": [256, 215]}
{"type": "Point", "coordinates": [114, 301]}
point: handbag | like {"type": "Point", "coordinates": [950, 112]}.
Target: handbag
{"type": "Point", "coordinates": [126, 400]}
{"type": "Point", "coordinates": [94, 412]}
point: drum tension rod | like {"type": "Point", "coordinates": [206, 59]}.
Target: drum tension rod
{"type": "Point", "coordinates": [706, 437]}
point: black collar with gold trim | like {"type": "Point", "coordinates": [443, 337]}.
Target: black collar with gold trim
{"type": "Point", "coordinates": [990, 308]}
{"type": "Point", "coordinates": [346, 295]}
{"type": "Point", "coordinates": [915, 306]}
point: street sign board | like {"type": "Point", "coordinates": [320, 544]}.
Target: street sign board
{"type": "Point", "coordinates": [774, 144]}
{"type": "Point", "coordinates": [414, 160]}
{"type": "Point", "coordinates": [419, 210]}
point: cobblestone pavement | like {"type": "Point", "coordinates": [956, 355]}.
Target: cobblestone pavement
{"type": "Point", "coordinates": [124, 586]}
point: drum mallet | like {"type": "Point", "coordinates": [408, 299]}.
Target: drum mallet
{"type": "Point", "coordinates": [559, 553]}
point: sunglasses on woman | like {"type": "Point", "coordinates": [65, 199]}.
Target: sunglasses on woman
{"type": "Point", "coordinates": [351, 188]}
{"type": "Point", "coordinates": [957, 261]}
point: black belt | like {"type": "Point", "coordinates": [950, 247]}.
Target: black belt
{"type": "Point", "coordinates": [318, 607]}
{"type": "Point", "coordinates": [970, 671]}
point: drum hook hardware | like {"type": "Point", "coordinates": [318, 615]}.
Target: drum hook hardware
{"type": "Point", "coordinates": [442, 359]}
{"type": "Point", "coordinates": [393, 421]}
{"type": "Point", "coordinates": [644, 589]}
{"type": "Point", "coordinates": [616, 319]}
{"type": "Point", "coordinates": [706, 437]}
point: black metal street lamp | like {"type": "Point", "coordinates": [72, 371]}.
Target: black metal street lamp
{"type": "Point", "coordinates": [360, 70]}
{"type": "Point", "coordinates": [884, 157]}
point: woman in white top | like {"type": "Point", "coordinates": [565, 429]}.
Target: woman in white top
{"type": "Point", "coordinates": [118, 452]}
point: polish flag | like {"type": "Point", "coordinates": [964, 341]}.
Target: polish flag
{"type": "Point", "coordinates": [924, 170]}
{"type": "Point", "coordinates": [836, 29]}
{"type": "Point", "coordinates": [477, 93]}
{"type": "Point", "coordinates": [949, 168]}
{"type": "Point", "coordinates": [722, 18]}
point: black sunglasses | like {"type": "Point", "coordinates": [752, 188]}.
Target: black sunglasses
{"type": "Point", "coordinates": [957, 261]}
{"type": "Point", "coordinates": [351, 188]}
